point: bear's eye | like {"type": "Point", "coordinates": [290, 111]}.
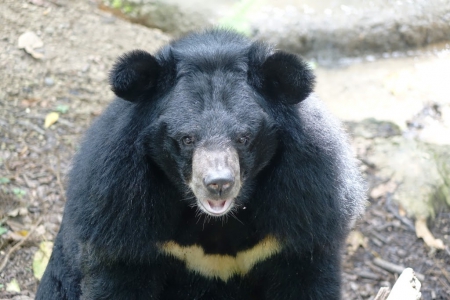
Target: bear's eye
{"type": "Point", "coordinates": [243, 140]}
{"type": "Point", "coordinates": [188, 140]}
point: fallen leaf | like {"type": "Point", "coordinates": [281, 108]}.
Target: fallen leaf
{"type": "Point", "coordinates": [40, 230]}
{"type": "Point", "coordinates": [47, 11]}
{"type": "Point", "coordinates": [29, 102]}
{"type": "Point", "coordinates": [401, 211]}
{"type": "Point", "coordinates": [355, 240]}
{"type": "Point", "coordinates": [383, 189]}
{"type": "Point", "coordinates": [29, 39]}
{"type": "Point", "coordinates": [51, 119]}
{"type": "Point", "coordinates": [21, 211]}
{"type": "Point", "coordinates": [424, 233]}
{"type": "Point", "coordinates": [16, 224]}
{"type": "Point", "coordinates": [41, 258]}
{"type": "Point", "coordinates": [30, 42]}
{"type": "Point", "coordinates": [13, 286]}
{"type": "Point", "coordinates": [12, 236]}
{"type": "Point", "coordinates": [22, 233]}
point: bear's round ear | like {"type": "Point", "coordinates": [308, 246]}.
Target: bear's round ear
{"type": "Point", "coordinates": [286, 78]}
{"type": "Point", "coordinates": [134, 74]}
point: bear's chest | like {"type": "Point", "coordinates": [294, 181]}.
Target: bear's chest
{"type": "Point", "coordinates": [219, 265]}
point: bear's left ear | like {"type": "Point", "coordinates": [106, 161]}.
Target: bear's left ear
{"type": "Point", "coordinates": [134, 74]}
{"type": "Point", "coordinates": [286, 78]}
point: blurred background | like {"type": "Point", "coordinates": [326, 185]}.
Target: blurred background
{"type": "Point", "coordinates": [382, 66]}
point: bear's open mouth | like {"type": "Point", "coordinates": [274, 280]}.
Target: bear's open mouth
{"type": "Point", "coordinates": [216, 207]}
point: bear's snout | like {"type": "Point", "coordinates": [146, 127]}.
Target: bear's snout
{"type": "Point", "coordinates": [216, 179]}
{"type": "Point", "coordinates": [219, 182]}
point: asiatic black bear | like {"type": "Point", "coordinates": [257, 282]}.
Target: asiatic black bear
{"type": "Point", "coordinates": [214, 175]}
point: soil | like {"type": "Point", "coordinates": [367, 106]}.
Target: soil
{"type": "Point", "coordinates": [80, 43]}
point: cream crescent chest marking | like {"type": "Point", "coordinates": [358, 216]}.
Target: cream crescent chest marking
{"type": "Point", "coordinates": [218, 265]}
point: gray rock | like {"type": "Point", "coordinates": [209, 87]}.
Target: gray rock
{"type": "Point", "coordinates": [352, 29]}
{"type": "Point", "coordinates": [421, 170]}
{"type": "Point", "coordinates": [372, 128]}
{"type": "Point", "coordinates": [173, 16]}
{"type": "Point", "coordinates": [318, 29]}
{"type": "Point", "coordinates": [49, 81]}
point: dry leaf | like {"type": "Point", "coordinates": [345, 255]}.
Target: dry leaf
{"type": "Point", "coordinates": [30, 41]}
{"type": "Point", "coordinates": [22, 233]}
{"type": "Point", "coordinates": [13, 286]}
{"type": "Point", "coordinates": [41, 258]}
{"type": "Point", "coordinates": [16, 224]}
{"type": "Point", "coordinates": [407, 286]}
{"type": "Point", "coordinates": [21, 211]}
{"type": "Point", "coordinates": [29, 102]}
{"type": "Point", "coordinates": [423, 232]}
{"type": "Point", "coordinates": [40, 230]}
{"type": "Point", "coordinates": [50, 119]}
{"type": "Point", "coordinates": [355, 240]}
{"type": "Point", "coordinates": [383, 189]}
{"type": "Point", "coordinates": [401, 211]}
{"type": "Point", "coordinates": [12, 236]}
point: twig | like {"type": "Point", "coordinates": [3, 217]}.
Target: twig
{"type": "Point", "coordinates": [443, 271]}
{"type": "Point", "coordinates": [380, 237]}
{"type": "Point", "coordinates": [383, 293]}
{"type": "Point", "coordinates": [377, 270]}
{"type": "Point", "coordinates": [391, 209]}
{"type": "Point", "coordinates": [57, 174]}
{"type": "Point", "coordinates": [393, 268]}
{"type": "Point", "coordinates": [58, 178]}
{"type": "Point", "coordinates": [17, 246]}
{"type": "Point", "coordinates": [367, 163]}
{"type": "Point", "coordinates": [368, 275]}
{"type": "Point", "coordinates": [31, 126]}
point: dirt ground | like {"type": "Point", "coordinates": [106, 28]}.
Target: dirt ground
{"type": "Point", "coordinates": [80, 44]}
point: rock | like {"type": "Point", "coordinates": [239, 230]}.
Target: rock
{"type": "Point", "coordinates": [173, 16]}
{"type": "Point", "coordinates": [321, 30]}
{"type": "Point", "coordinates": [421, 170]}
{"type": "Point", "coordinates": [49, 81]}
{"type": "Point", "coordinates": [371, 128]}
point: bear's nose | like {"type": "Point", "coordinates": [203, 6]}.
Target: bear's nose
{"type": "Point", "coordinates": [219, 182]}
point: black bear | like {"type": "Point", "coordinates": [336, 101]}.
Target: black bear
{"type": "Point", "coordinates": [216, 174]}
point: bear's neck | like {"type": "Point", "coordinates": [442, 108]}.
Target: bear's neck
{"type": "Point", "coordinates": [226, 235]}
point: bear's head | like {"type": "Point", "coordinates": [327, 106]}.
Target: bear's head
{"type": "Point", "coordinates": [208, 100]}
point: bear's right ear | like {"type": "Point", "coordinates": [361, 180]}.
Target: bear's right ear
{"type": "Point", "coordinates": [134, 74]}
{"type": "Point", "coordinates": [282, 76]}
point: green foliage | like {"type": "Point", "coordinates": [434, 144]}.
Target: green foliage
{"type": "Point", "coordinates": [127, 9]}
{"type": "Point", "coordinates": [3, 230]}
{"type": "Point", "coordinates": [4, 180]}
{"type": "Point", "coordinates": [19, 192]}
{"type": "Point", "coordinates": [116, 3]}
{"type": "Point", "coordinates": [62, 109]}
{"type": "Point", "coordinates": [238, 19]}
{"type": "Point", "coordinates": [122, 5]}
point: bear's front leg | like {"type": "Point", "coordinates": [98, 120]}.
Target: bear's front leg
{"type": "Point", "coordinates": [121, 281]}
{"type": "Point", "coordinates": [61, 280]}
{"type": "Point", "coordinates": [312, 276]}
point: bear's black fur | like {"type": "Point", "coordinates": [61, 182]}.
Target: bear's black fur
{"type": "Point", "coordinates": [136, 225]}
